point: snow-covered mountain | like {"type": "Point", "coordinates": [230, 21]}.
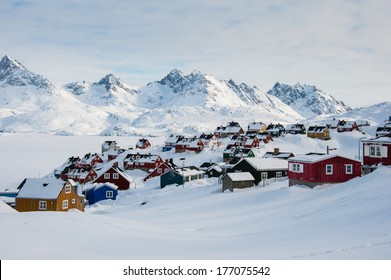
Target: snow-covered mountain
{"type": "Point", "coordinates": [177, 103]}
{"type": "Point", "coordinates": [308, 100]}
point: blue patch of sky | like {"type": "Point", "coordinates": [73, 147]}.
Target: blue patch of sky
{"type": "Point", "coordinates": [21, 3]}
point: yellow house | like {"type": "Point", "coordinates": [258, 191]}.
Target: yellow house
{"type": "Point", "coordinates": [38, 194]}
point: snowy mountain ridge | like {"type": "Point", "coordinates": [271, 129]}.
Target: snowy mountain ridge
{"type": "Point", "coordinates": [177, 103]}
{"type": "Point", "coordinates": [308, 100]}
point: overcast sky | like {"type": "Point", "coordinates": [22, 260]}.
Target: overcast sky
{"type": "Point", "coordinates": [342, 47]}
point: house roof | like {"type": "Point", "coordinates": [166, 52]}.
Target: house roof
{"type": "Point", "coordinates": [267, 163]}
{"type": "Point", "coordinates": [45, 188]}
{"type": "Point", "coordinates": [312, 158]}
{"type": "Point", "coordinates": [380, 139]}
{"type": "Point", "coordinates": [256, 125]}
{"type": "Point", "coordinates": [283, 155]}
{"type": "Point", "coordinates": [240, 176]}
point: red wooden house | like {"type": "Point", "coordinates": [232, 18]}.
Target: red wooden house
{"type": "Point", "coordinates": [377, 151]}
{"type": "Point", "coordinates": [189, 145]}
{"type": "Point", "coordinates": [90, 160]}
{"type": "Point", "coordinates": [343, 126]}
{"type": "Point", "coordinates": [161, 169]}
{"type": "Point", "coordinates": [115, 175]}
{"type": "Point", "coordinates": [143, 144]}
{"type": "Point", "coordinates": [79, 174]}
{"type": "Point", "coordinates": [316, 169]}
{"type": "Point", "coordinates": [142, 161]}
{"type": "Point", "coordinates": [114, 153]}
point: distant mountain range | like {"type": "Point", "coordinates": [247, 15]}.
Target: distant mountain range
{"type": "Point", "coordinates": [177, 103]}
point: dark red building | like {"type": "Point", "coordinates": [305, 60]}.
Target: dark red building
{"type": "Point", "coordinates": [317, 169]}
{"type": "Point", "coordinates": [116, 176]}
{"type": "Point", "coordinates": [377, 151]}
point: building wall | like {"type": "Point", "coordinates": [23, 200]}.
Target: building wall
{"type": "Point", "coordinates": [121, 182]}
{"type": "Point", "coordinates": [228, 184]}
{"type": "Point", "coordinates": [170, 178]}
{"type": "Point", "coordinates": [385, 159]}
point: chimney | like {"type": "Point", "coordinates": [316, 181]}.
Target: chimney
{"type": "Point", "coordinates": [115, 164]}
{"type": "Point", "coordinates": [276, 151]}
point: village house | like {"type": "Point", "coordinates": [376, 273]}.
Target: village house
{"type": "Point", "coordinates": [71, 161]}
{"type": "Point", "coordinates": [255, 127]}
{"type": "Point", "coordinates": [46, 194]}
{"type": "Point", "coordinates": [262, 169]}
{"type": "Point", "coordinates": [113, 174]}
{"type": "Point", "coordinates": [170, 142]}
{"type": "Point", "coordinates": [144, 162]}
{"type": "Point", "coordinates": [238, 180]}
{"type": "Point", "coordinates": [109, 145]}
{"type": "Point", "coordinates": [210, 140]}
{"type": "Point", "coordinates": [384, 130]}
{"type": "Point", "coordinates": [189, 145]}
{"type": "Point", "coordinates": [114, 153]}
{"type": "Point", "coordinates": [317, 169]}
{"type": "Point", "coordinates": [277, 154]}
{"type": "Point", "coordinates": [349, 126]}
{"type": "Point", "coordinates": [214, 171]}
{"type": "Point", "coordinates": [319, 132]}
{"type": "Point", "coordinates": [377, 151]}
{"type": "Point", "coordinates": [296, 128]}
{"type": "Point", "coordinates": [246, 141]}
{"type": "Point", "coordinates": [276, 130]}
{"type": "Point", "coordinates": [90, 160]}
{"type": "Point", "coordinates": [179, 176]}
{"type": "Point", "coordinates": [79, 174]}
{"type": "Point", "coordinates": [161, 169]}
{"type": "Point", "coordinates": [237, 152]}
{"type": "Point", "coordinates": [232, 128]}
{"type": "Point", "coordinates": [143, 144]}
{"type": "Point", "coordinates": [97, 192]}
{"type": "Point", "coordinates": [264, 137]}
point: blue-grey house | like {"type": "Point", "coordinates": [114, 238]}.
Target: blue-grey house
{"type": "Point", "coordinates": [180, 175]}
{"type": "Point", "coordinates": [102, 191]}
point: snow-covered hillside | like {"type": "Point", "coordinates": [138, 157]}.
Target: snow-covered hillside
{"type": "Point", "coordinates": [309, 101]}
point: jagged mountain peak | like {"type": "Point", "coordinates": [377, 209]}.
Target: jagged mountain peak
{"type": "Point", "coordinates": [308, 100]}
{"type": "Point", "coordinates": [8, 63]}
{"type": "Point", "coordinates": [14, 73]}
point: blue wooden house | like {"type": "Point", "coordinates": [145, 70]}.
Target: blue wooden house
{"type": "Point", "coordinates": [98, 192]}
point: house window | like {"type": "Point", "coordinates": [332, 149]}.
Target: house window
{"type": "Point", "coordinates": [349, 168]}
{"type": "Point", "coordinates": [278, 174]}
{"type": "Point", "coordinates": [73, 200]}
{"type": "Point", "coordinates": [67, 189]}
{"type": "Point", "coordinates": [329, 169]}
{"type": "Point", "coordinates": [264, 175]}
{"type": "Point", "coordinates": [296, 167]}
{"type": "Point", "coordinates": [42, 205]}
{"type": "Point", "coordinates": [107, 176]}
{"type": "Point", "coordinates": [159, 170]}
{"type": "Point", "coordinates": [109, 194]}
{"type": "Point", "coordinates": [374, 151]}
{"type": "Point", "coordinates": [65, 204]}
{"type": "Point", "coordinates": [115, 176]}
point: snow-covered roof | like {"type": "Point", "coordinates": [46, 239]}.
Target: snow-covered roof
{"type": "Point", "coordinates": [267, 163]}
{"type": "Point", "coordinates": [380, 139]}
{"type": "Point", "coordinates": [277, 155]}
{"type": "Point", "coordinates": [107, 167]}
{"type": "Point", "coordinates": [187, 171]}
{"type": "Point", "coordinates": [41, 188]}
{"type": "Point", "coordinates": [256, 125]}
{"type": "Point", "coordinates": [108, 184]}
{"type": "Point", "coordinates": [312, 158]}
{"type": "Point", "coordinates": [241, 176]}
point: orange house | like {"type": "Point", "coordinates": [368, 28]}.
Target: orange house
{"type": "Point", "coordinates": [38, 194]}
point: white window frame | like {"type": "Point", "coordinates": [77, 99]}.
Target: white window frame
{"type": "Point", "coordinates": [115, 176]}
{"type": "Point", "coordinates": [65, 204]}
{"type": "Point", "coordinates": [109, 194]}
{"type": "Point", "coordinates": [296, 167]}
{"type": "Point", "coordinates": [67, 189]}
{"type": "Point", "coordinates": [263, 175]}
{"type": "Point", "coordinates": [329, 172]}
{"type": "Point", "coordinates": [73, 200]}
{"type": "Point", "coordinates": [159, 170]}
{"type": "Point", "coordinates": [106, 176]}
{"type": "Point", "coordinates": [42, 205]}
{"type": "Point", "coordinates": [347, 167]}
{"type": "Point", "coordinates": [278, 174]}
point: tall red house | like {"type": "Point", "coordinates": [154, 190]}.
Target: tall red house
{"type": "Point", "coordinates": [317, 169]}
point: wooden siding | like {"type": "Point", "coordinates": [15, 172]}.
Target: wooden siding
{"type": "Point", "coordinates": [32, 204]}
{"type": "Point", "coordinates": [228, 184]}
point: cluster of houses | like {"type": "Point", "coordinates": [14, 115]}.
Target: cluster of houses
{"type": "Point", "coordinates": [100, 176]}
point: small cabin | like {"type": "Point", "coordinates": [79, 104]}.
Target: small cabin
{"type": "Point", "coordinates": [276, 130]}
{"type": "Point", "coordinates": [109, 145]}
{"type": "Point", "coordinates": [179, 176]}
{"type": "Point", "coordinates": [347, 126]}
{"type": "Point", "coordinates": [255, 127]}
{"type": "Point", "coordinates": [114, 175]}
{"type": "Point", "coordinates": [143, 144]}
{"type": "Point", "coordinates": [377, 151]}
{"type": "Point", "coordinates": [319, 132]}
{"type": "Point", "coordinates": [232, 128]}
{"type": "Point", "coordinates": [238, 180]}
{"type": "Point", "coordinates": [98, 192]}
{"type": "Point", "coordinates": [296, 128]}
